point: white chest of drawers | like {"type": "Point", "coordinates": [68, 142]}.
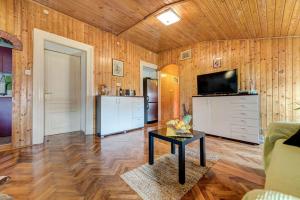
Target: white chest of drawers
{"type": "Point", "coordinates": [236, 117]}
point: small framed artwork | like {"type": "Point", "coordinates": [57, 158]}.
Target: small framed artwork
{"type": "Point", "coordinates": [217, 62]}
{"type": "Point", "coordinates": [117, 67]}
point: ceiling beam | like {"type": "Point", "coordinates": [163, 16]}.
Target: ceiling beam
{"type": "Point", "coordinates": [159, 10]}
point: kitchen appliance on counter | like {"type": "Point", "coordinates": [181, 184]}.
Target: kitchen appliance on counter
{"type": "Point", "coordinates": [125, 92]}
{"type": "Point", "coordinates": [129, 92]}
{"type": "Point", "coordinates": [150, 89]}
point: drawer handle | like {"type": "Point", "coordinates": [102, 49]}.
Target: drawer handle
{"type": "Point", "coordinates": [243, 113]}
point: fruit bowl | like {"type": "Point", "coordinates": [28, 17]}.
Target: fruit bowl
{"type": "Point", "coordinates": [179, 126]}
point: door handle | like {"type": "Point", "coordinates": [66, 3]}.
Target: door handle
{"type": "Point", "coordinates": [148, 98]}
{"type": "Point", "coordinates": [147, 106]}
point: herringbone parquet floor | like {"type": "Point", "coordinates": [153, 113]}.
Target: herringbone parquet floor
{"type": "Point", "coordinates": [73, 166]}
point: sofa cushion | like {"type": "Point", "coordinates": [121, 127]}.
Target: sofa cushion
{"type": "Point", "coordinates": [294, 140]}
{"type": "Point", "coordinates": [276, 131]}
{"type": "Point", "coordinates": [5, 197]}
{"type": "Point", "coordinates": [283, 174]}
{"type": "Point", "coordinates": [267, 195]}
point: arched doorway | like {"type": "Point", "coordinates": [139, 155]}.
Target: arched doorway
{"type": "Point", "coordinates": [8, 42]}
{"type": "Point", "coordinates": [169, 93]}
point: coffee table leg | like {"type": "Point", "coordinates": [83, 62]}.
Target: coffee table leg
{"type": "Point", "coordinates": [151, 150]}
{"type": "Point", "coordinates": [172, 148]}
{"type": "Point", "coordinates": [202, 152]}
{"type": "Point", "coordinates": [181, 162]}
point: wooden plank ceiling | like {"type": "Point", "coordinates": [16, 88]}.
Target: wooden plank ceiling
{"type": "Point", "coordinates": [201, 20]}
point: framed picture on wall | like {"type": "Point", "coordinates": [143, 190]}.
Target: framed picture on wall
{"type": "Point", "coordinates": [217, 62]}
{"type": "Point", "coordinates": [117, 67]}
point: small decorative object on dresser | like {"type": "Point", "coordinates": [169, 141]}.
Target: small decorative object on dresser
{"type": "Point", "coordinates": [117, 67]}
{"type": "Point", "coordinates": [103, 90]}
{"type": "Point", "coordinates": [217, 62]}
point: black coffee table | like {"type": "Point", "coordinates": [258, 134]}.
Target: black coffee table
{"type": "Point", "coordinates": [181, 142]}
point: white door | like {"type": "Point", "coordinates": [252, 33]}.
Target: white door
{"type": "Point", "coordinates": [109, 113]}
{"type": "Point", "coordinates": [125, 113]}
{"type": "Point", "coordinates": [62, 93]}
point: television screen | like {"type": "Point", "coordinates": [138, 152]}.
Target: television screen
{"type": "Point", "coordinates": [218, 83]}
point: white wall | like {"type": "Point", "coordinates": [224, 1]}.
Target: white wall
{"type": "Point", "coordinates": [149, 72]}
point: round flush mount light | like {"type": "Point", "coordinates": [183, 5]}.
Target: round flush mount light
{"type": "Point", "coordinates": [46, 12]}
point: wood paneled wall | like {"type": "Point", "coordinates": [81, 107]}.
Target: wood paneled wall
{"type": "Point", "coordinates": [271, 66]}
{"type": "Point", "coordinates": [19, 17]}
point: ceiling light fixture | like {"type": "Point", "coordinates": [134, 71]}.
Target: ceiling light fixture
{"type": "Point", "coordinates": [168, 17]}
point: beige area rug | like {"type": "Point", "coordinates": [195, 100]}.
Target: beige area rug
{"type": "Point", "coordinates": [160, 181]}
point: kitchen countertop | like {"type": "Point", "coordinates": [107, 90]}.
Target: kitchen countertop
{"type": "Point", "coordinates": [222, 95]}
{"type": "Point", "coordinates": [118, 96]}
{"type": "Point", "coordinates": [5, 96]}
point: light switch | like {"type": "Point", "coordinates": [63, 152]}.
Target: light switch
{"type": "Point", "coordinates": [27, 72]}
{"type": "Point", "coordinates": [118, 84]}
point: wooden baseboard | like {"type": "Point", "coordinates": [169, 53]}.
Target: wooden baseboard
{"type": "Point", "coordinates": [5, 147]}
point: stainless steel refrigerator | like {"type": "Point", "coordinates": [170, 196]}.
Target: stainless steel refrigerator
{"type": "Point", "coordinates": [151, 100]}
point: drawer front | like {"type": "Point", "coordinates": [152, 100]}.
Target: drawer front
{"type": "Point", "coordinates": [247, 138]}
{"type": "Point", "coordinates": [245, 122]}
{"type": "Point", "coordinates": [245, 100]}
{"type": "Point", "coordinates": [245, 130]}
{"type": "Point", "coordinates": [245, 114]}
{"type": "Point", "coordinates": [245, 107]}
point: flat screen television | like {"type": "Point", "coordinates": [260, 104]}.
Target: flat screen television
{"type": "Point", "coordinates": [218, 83]}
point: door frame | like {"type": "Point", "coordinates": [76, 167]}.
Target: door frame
{"type": "Point", "coordinates": [142, 65]}
{"type": "Point", "coordinates": [159, 89]}
{"type": "Point", "coordinates": [153, 66]}
{"type": "Point", "coordinates": [38, 112]}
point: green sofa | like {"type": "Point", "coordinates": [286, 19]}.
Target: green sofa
{"type": "Point", "coordinates": [282, 165]}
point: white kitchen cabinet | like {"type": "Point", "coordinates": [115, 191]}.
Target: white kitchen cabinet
{"type": "Point", "coordinates": [109, 115]}
{"type": "Point", "coordinates": [125, 113]}
{"type": "Point", "coordinates": [138, 112]}
{"type": "Point", "coordinates": [118, 114]}
{"type": "Point", "coordinates": [219, 124]}
{"type": "Point", "coordinates": [201, 109]}
{"type": "Point", "coordinates": [235, 117]}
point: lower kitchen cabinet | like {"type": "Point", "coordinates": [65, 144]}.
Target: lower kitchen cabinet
{"type": "Point", "coordinates": [118, 114]}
